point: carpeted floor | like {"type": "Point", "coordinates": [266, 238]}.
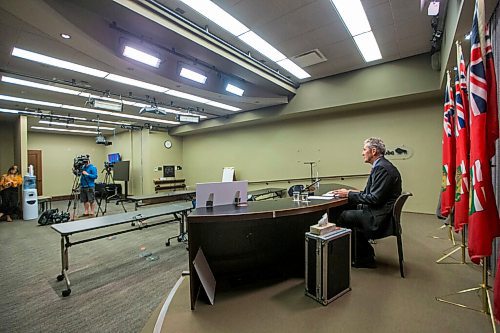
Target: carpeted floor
{"type": "Point", "coordinates": [114, 289]}
{"type": "Point", "coordinates": [380, 300]}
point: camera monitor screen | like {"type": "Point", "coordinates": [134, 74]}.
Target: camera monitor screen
{"type": "Point", "coordinates": [113, 158]}
{"type": "Point", "coordinates": [121, 171]}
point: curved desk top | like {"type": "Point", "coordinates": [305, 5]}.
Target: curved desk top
{"type": "Point", "coordinates": [262, 209]}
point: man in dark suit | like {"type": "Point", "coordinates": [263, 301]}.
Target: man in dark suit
{"type": "Point", "coordinates": [369, 212]}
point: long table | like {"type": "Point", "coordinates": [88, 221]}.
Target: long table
{"type": "Point", "coordinates": [275, 192]}
{"type": "Point", "coordinates": [264, 236]}
{"type": "Point", "coordinates": [137, 219]}
{"type": "Point", "coordinates": [152, 199]}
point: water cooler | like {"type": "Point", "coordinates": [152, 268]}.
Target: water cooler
{"type": "Point", "coordinates": [30, 198]}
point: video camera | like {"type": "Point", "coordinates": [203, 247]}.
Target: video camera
{"type": "Point", "coordinates": [108, 166]}
{"type": "Point", "coordinates": [79, 163]}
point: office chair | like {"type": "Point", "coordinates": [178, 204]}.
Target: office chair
{"type": "Point", "coordinates": [396, 229]}
{"type": "Point", "coordinates": [295, 188]}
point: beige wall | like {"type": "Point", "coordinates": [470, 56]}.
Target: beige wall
{"type": "Point", "coordinates": [334, 141]}
{"type": "Point", "coordinates": [146, 152]}
{"type": "Point", "coordinates": [58, 152]}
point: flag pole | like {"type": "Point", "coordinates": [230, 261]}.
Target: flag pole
{"type": "Point", "coordinates": [483, 289]}
{"type": "Point", "coordinates": [454, 248]}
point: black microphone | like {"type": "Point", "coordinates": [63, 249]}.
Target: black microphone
{"type": "Point", "coordinates": [307, 188]}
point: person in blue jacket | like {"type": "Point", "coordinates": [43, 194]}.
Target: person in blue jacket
{"type": "Point", "coordinates": [87, 188]}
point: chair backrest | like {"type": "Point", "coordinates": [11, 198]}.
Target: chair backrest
{"type": "Point", "coordinates": [295, 188]}
{"type": "Point", "coordinates": [396, 211]}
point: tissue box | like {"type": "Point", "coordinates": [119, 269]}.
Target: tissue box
{"type": "Point", "coordinates": [322, 230]}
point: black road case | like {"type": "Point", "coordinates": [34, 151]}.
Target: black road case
{"type": "Point", "coordinates": [328, 265]}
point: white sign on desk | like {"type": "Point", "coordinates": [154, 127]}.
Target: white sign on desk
{"type": "Point", "coordinates": [222, 193]}
{"type": "Point", "coordinates": [228, 174]}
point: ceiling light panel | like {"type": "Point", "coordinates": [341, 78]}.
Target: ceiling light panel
{"type": "Point", "coordinates": [192, 75]}
{"type": "Point", "coordinates": [53, 129]}
{"type": "Point", "coordinates": [28, 55]}
{"type": "Point", "coordinates": [190, 97]}
{"type": "Point", "coordinates": [234, 89]}
{"type": "Point", "coordinates": [368, 46]}
{"type": "Point", "coordinates": [28, 101]}
{"type": "Point", "coordinates": [293, 69]}
{"type": "Point", "coordinates": [135, 83]}
{"type": "Point", "coordinates": [32, 84]}
{"type": "Point", "coordinates": [259, 44]}
{"type": "Point", "coordinates": [75, 125]}
{"type": "Point", "coordinates": [141, 56]}
{"type": "Point", "coordinates": [217, 15]}
{"type": "Point", "coordinates": [223, 106]}
{"type": "Point", "coordinates": [353, 15]}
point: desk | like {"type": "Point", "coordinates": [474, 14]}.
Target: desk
{"type": "Point", "coordinates": [266, 235]}
{"type": "Point", "coordinates": [151, 199]}
{"type": "Point", "coordinates": [44, 203]}
{"type": "Point", "coordinates": [275, 192]}
{"type": "Point", "coordinates": [135, 218]}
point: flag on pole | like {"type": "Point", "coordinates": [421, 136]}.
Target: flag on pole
{"type": "Point", "coordinates": [491, 81]}
{"type": "Point", "coordinates": [483, 220]}
{"type": "Point", "coordinates": [448, 179]}
{"type": "Point", "coordinates": [461, 215]}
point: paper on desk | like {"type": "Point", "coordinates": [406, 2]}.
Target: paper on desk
{"type": "Point", "coordinates": [320, 197]}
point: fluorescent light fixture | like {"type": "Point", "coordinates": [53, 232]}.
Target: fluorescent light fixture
{"type": "Point", "coordinates": [259, 44]}
{"type": "Point", "coordinates": [223, 106]}
{"type": "Point", "coordinates": [190, 97]}
{"type": "Point", "coordinates": [192, 75]}
{"type": "Point", "coordinates": [141, 56]}
{"type": "Point", "coordinates": [217, 15]}
{"type": "Point", "coordinates": [106, 105]}
{"type": "Point", "coordinates": [110, 122]}
{"type": "Point", "coordinates": [135, 83]}
{"type": "Point", "coordinates": [293, 69]}
{"type": "Point", "coordinates": [368, 46]}
{"type": "Point", "coordinates": [234, 89]}
{"type": "Point", "coordinates": [63, 130]}
{"type": "Point", "coordinates": [75, 125]}
{"type": "Point", "coordinates": [9, 111]}
{"type": "Point", "coordinates": [28, 55]}
{"type": "Point", "coordinates": [28, 101]}
{"type": "Point", "coordinates": [353, 15]}
{"type": "Point", "coordinates": [49, 115]}
{"type": "Point", "coordinates": [188, 119]}
{"type": "Point", "coordinates": [32, 84]}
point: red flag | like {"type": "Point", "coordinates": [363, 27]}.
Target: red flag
{"type": "Point", "coordinates": [484, 223]}
{"type": "Point", "coordinates": [461, 215]}
{"type": "Point", "coordinates": [448, 180]}
{"type": "Point", "coordinates": [491, 81]}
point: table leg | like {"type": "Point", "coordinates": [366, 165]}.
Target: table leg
{"type": "Point", "coordinates": [65, 265]}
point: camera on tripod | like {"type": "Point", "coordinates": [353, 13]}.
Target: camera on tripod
{"type": "Point", "coordinates": [108, 166]}
{"type": "Point", "coordinates": [79, 163]}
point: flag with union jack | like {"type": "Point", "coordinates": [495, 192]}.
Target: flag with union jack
{"type": "Point", "coordinates": [461, 215]}
{"type": "Point", "coordinates": [448, 179]}
{"type": "Point", "coordinates": [484, 223]}
{"type": "Point", "coordinates": [491, 81]}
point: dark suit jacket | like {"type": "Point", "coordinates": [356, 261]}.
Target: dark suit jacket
{"type": "Point", "coordinates": [378, 197]}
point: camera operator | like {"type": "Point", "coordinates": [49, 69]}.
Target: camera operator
{"type": "Point", "coordinates": [87, 187]}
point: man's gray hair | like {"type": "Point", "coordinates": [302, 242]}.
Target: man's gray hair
{"type": "Point", "coordinates": [376, 143]}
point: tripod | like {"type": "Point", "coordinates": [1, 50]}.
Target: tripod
{"type": "Point", "coordinates": [108, 180]}
{"type": "Point", "coordinates": [75, 195]}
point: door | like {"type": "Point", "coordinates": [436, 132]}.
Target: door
{"type": "Point", "coordinates": [35, 159]}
